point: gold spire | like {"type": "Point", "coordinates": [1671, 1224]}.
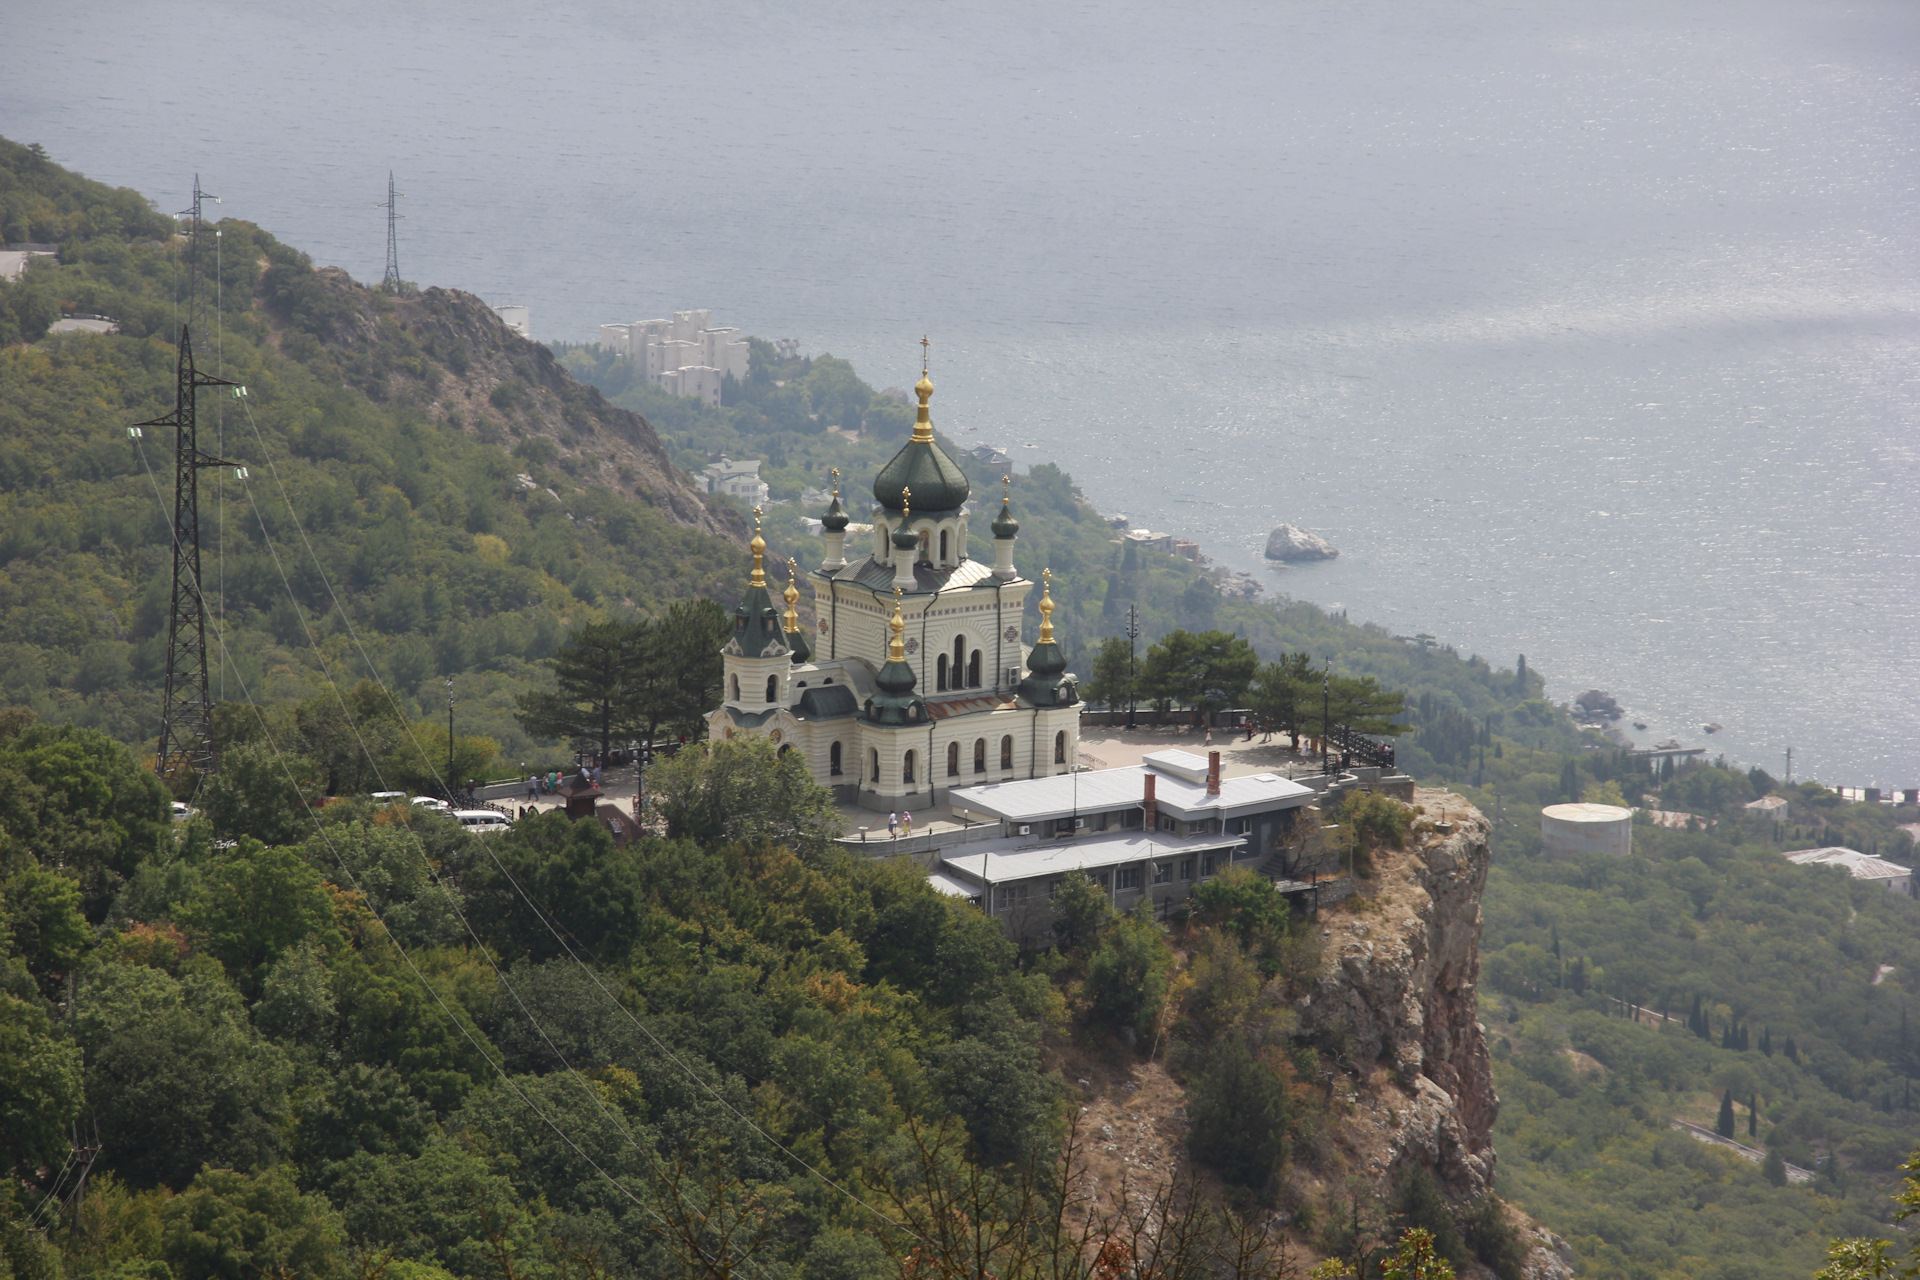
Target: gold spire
{"type": "Point", "coordinates": [906, 505]}
{"type": "Point", "coordinates": [836, 482]}
{"type": "Point", "coordinates": [923, 424]}
{"type": "Point", "coordinates": [792, 593]}
{"type": "Point", "coordinates": [759, 548]}
{"type": "Point", "coordinates": [897, 652]}
{"type": "Point", "coordinates": [1006, 491]}
{"type": "Point", "coordinates": [1046, 606]}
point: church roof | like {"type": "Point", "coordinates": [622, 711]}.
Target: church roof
{"type": "Point", "coordinates": [756, 623]}
{"type": "Point", "coordinates": [874, 576]}
{"type": "Point", "coordinates": [937, 482]}
{"type": "Point", "coordinates": [828, 703]}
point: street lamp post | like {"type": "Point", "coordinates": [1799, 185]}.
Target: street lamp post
{"type": "Point", "coordinates": [1326, 715]}
{"type": "Point", "coordinates": [1133, 670]}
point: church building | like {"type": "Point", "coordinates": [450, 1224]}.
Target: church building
{"type": "Point", "coordinates": [917, 681]}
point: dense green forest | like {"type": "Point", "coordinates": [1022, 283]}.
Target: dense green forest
{"type": "Point", "coordinates": [294, 1039]}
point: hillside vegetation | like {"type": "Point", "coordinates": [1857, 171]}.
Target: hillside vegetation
{"type": "Point", "coordinates": [399, 427]}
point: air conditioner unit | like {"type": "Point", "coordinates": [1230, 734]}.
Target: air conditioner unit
{"type": "Point", "coordinates": [1079, 823]}
{"type": "Point", "coordinates": [1026, 831]}
{"type": "Point", "coordinates": [1013, 677]}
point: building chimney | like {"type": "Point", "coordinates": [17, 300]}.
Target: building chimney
{"type": "Point", "coordinates": [1213, 773]}
{"type": "Point", "coordinates": [1150, 812]}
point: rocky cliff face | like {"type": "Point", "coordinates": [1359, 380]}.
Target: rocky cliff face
{"type": "Point", "coordinates": [1396, 997]}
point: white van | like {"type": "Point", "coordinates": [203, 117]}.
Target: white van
{"type": "Point", "coordinates": [481, 821]}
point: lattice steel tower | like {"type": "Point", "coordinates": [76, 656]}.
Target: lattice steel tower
{"type": "Point", "coordinates": [390, 283]}
{"type": "Point", "coordinates": [186, 712]}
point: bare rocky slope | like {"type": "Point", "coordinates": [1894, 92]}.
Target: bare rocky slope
{"type": "Point", "coordinates": [447, 353]}
{"type": "Point", "coordinates": [1398, 989]}
{"type": "Point", "coordinates": [1396, 999]}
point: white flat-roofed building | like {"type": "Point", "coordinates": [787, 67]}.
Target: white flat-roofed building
{"type": "Point", "coordinates": [1861, 866]}
{"type": "Point", "coordinates": [1149, 831]}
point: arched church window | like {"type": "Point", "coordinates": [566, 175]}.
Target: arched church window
{"type": "Point", "coordinates": [959, 658]}
{"type": "Point", "coordinates": [874, 762]}
{"type": "Point", "coordinates": [1060, 747]}
{"type": "Point", "coordinates": [926, 544]}
{"type": "Point", "coordinates": [833, 760]}
{"type": "Point", "coordinates": [953, 759]}
{"type": "Point", "coordinates": [906, 767]}
{"type": "Point", "coordinates": [773, 688]}
{"type": "Point", "coordinates": [940, 673]}
{"type": "Point", "coordinates": [733, 688]}
{"type": "Point", "coordinates": [1006, 752]}
{"type": "Point", "coordinates": [943, 546]}
{"type": "Point", "coordinates": [979, 755]}
{"type": "Point", "coordinates": [973, 670]}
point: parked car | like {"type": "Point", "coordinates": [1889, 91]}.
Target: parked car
{"type": "Point", "coordinates": [482, 821]}
{"type": "Point", "coordinates": [181, 811]}
{"type": "Point", "coordinates": [429, 802]}
{"type": "Point", "coordinates": [388, 797]}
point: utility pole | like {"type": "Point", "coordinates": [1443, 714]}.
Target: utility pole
{"type": "Point", "coordinates": [450, 790]}
{"type": "Point", "coordinates": [390, 283]}
{"type": "Point", "coordinates": [186, 711]}
{"type": "Point", "coordinates": [1133, 662]}
{"type": "Point", "coordinates": [1789, 764]}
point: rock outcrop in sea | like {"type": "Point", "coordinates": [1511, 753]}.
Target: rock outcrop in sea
{"type": "Point", "coordinates": [1289, 543]}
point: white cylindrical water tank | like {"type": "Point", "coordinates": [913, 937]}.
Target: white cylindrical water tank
{"type": "Point", "coordinates": [1567, 829]}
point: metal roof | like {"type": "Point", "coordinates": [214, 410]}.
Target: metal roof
{"type": "Point", "coordinates": [1030, 860]}
{"type": "Point", "coordinates": [1103, 790]}
{"type": "Point", "coordinates": [1861, 866]}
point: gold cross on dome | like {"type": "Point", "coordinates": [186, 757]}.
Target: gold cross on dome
{"type": "Point", "coordinates": [924, 344]}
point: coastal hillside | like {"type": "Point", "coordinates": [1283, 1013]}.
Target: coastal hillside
{"type": "Point", "coordinates": [413, 468]}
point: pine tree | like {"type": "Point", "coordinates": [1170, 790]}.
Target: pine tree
{"type": "Point", "coordinates": [1724, 1125]}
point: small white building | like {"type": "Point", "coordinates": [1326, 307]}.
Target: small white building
{"type": "Point", "coordinates": [1861, 866]}
{"type": "Point", "coordinates": [1570, 829]}
{"type": "Point", "coordinates": [737, 480]}
{"type": "Point", "coordinates": [1772, 808]}
{"type": "Point", "coordinates": [517, 318]}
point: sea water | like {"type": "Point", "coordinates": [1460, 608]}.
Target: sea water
{"type": "Point", "coordinates": [1585, 331]}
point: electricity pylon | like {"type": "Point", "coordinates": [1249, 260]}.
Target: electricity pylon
{"type": "Point", "coordinates": [186, 712]}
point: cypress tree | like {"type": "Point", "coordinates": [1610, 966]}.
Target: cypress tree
{"type": "Point", "coordinates": [1753, 1116]}
{"type": "Point", "coordinates": [1556, 942]}
{"type": "Point", "coordinates": [1791, 1049]}
{"type": "Point", "coordinates": [1724, 1125]}
{"type": "Point", "coordinates": [1766, 1041]}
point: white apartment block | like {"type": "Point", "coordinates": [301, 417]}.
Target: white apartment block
{"type": "Point", "coordinates": [686, 355]}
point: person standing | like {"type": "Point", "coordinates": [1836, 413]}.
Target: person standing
{"type": "Point", "coordinates": [893, 824]}
{"type": "Point", "coordinates": [906, 823]}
